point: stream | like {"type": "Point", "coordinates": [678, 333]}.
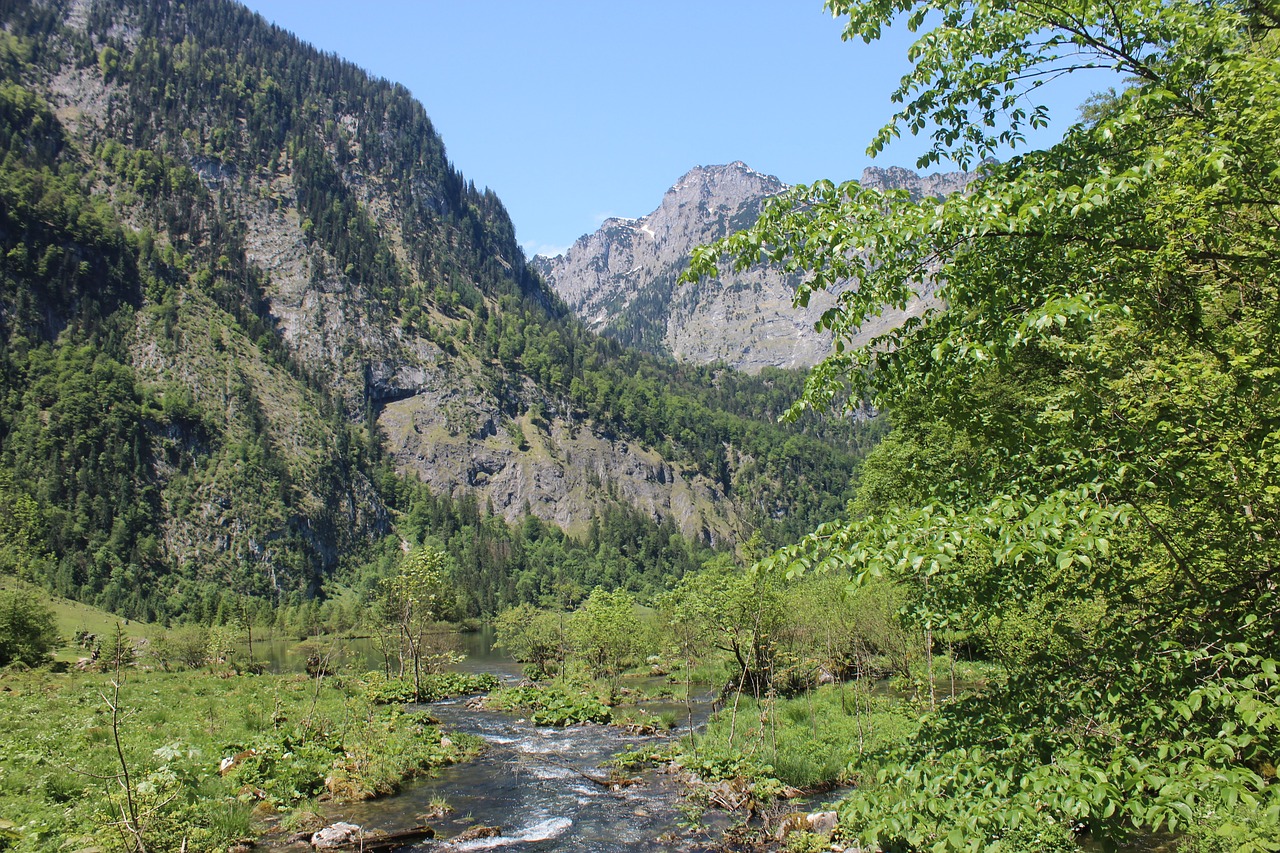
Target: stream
{"type": "Point", "coordinates": [533, 783]}
{"type": "Point", "coordinates": [530, 783]}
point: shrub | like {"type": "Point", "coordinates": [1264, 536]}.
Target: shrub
{"type": "Point", "coordinates": [28, 633]}
{"type": "Point", "coordinates": [434, 687]}
{"type": "Point", "coordinates": [552, 706]}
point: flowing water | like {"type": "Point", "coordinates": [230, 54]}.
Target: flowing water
{"type": "Point", "coordinates": [540, 786]}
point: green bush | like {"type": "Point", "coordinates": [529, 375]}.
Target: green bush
{"type": "Point", "coordinates": [388, 691]}
{"type": "Point", "coordinates": [551, 706]}
{"type": "Point", "coordinates": [643, 755]}
{"type": "Point", "coordinates": [286, 770]}
{"type": "Point", "coordinates": [435, 686]}
{"type": "Point", "coordinates": [27, 630]}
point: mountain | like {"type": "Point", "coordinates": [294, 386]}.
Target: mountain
{"type": "Point", "coordinates": [256, 332]}
{"type": "Point", "coordinates": [621, 280]}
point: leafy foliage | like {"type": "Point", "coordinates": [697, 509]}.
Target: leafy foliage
{"type": "Point", "coordinates": [550, 705]}
{"type": "Point", "coordinates": [416, 600]}
{"type": "Point", "coordinates": [434, 687]}
{"type": "Point", "coordinates": [532, 636]}
{"type": "Point", "coordinates": [606, 633]}
{"type": "Point", "coordinates": [727, 608]}
{"type": "Point", "coordinates": [1106, 359]}
{"type": "Point", "coordinates": [27, 630]}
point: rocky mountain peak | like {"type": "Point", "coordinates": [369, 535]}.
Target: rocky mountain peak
{"type": "Point", "coordinates": [919, 186]}
{"type": "Point", "coordinates": [735, 182]}
{"type": "Point", "coordinates": [622, 279]}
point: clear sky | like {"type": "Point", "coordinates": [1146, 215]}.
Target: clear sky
{"type": "Point", "coordinates": [576, 110]}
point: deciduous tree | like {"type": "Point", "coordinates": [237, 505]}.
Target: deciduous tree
{"type": "Point", "coordinates": [606, 633]}
{"type": "Point", "coordinates": [417, 597]}
{"type": "Point", "coordinates": [533, 636]}
{"type": "Point", "coordinates": [1105, 345]}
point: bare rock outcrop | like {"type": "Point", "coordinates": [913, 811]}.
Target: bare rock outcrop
{"type": "Point", "coordinates": [621, 280]}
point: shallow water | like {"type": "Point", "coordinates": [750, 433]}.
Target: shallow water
{"type": "Point", "coordinates": [361, 654]}
{"type": "Point", "coordinates": [532, 782]}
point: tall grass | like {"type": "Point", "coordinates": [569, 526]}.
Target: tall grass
{"type": "Point", "coordinates": [823, 737]}
{"type": "Point", "coordinates": [291, 738]}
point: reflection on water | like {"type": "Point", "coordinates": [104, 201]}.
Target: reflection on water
{"type": "Point", "coordinates": [363, 655]}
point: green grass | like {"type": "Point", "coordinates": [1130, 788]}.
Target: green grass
{"type": "Point", "coordinates": [825, 737]}
{"type": "Point", "coordinates": [292, 740]}
{"type": "Point", "coordinates": [73, 617]}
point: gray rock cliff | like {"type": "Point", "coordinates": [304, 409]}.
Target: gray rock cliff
{"type": "Point", "coordinates": [621, 280]}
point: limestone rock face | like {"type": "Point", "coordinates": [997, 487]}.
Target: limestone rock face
{"type": "Point", "coordinates": [557, 468]}
{"type": "Point", "coordinates": [919, 186]}
{"type": "Point", "coordinates": [621, 280]}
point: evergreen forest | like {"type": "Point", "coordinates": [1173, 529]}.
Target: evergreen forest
{"type": "Point", "coordinates": [164, 440]}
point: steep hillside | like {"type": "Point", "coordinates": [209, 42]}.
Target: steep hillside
{"type": "Point", "coordinates": [622, 280]}
{"type": "Point", "coordinates": [244, 295]}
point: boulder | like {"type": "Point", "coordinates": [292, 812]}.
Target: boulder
{"type": "Point", "coordinates": [435, 811]}
{"type": "Point", "coordinates": [822, 823]}
{"type": "Point", "coordinates": [730, 794]}
{"type": "Point", "coordinates": [336, 836]}
{"type": "Point", "coordinates": [794, 822]}
{"type": "Point", "coordinates": [477, 832]}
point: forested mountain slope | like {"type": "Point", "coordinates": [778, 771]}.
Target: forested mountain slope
{"type": "Point", "coordinates": [243, 294]}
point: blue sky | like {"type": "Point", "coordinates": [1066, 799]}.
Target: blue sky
{"type": "Point", "coordinates": [576, 110]}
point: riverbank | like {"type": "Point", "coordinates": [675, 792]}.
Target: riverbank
{"type": "Point", "coordinates": [195, 760]}
{"type": "Point", "coordinates": [541, 787]}
{"type": "Point", "coordinates": [564, 771]}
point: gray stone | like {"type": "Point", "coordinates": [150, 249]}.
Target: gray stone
{"type": "Point", "coordinates": [745, 319]}
{"type": "Point", "coordinates": [336, 836]}
{"type": "Point", "coordinates": [822, 823]}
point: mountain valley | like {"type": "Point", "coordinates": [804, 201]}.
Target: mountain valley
{"type": "Point", "coordinates": [297, 308]}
